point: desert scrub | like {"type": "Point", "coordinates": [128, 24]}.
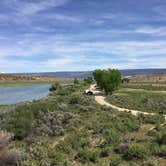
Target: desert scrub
{"type": "Point", "coordinates": [71, 127]}
{"type": "Point", "coordinates": [145, 87]}
{"type": "Point", "coordinates": [81, 100]}
{"type": "Point", "coordinates": [38, 119]}
{"type": "Point", "coordinates": [161, 136]}
{"type": "Point", "coordinates": [54, 86]}
{"type": "Point", "coordinates": [8, 155]}
{"type": "Point", "coordinates": [115, 160]}
{"type": "Point", "coordinates": [136, 151]}
{"type": "Point", "coordinates": [151, 119]}
{"type": "Point", "coordinates": [148, 102]}
{"type": "Point", "coordinates": [111, 136]}
{"type": "Point", "coordinates": [87, 155]}
{"type": "Point", "coordinates": [73, 142]}
{"type": "Point", "coordinates": [132, 124]}
{"type": "Point", "coordinates": [105, 152]}
{"type": "Point", "coordinates": [20, 124]}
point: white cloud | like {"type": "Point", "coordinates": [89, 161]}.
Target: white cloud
{"type": "Point", "coordinates": [30, 8]}
{"type": "Point", "coordinates": [64, 55]}
{"type": "Point", "coordinates": [45, 39]}
{"type": "Point", "coordinates": [21, 11]}
{"type": "Point", "coordinates": [69, 45]}
{"type": "Point", "coordinates": [158, 31]}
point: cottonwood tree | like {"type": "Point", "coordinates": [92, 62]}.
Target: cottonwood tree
{"type": "Point", "coordinates": [107, 80]}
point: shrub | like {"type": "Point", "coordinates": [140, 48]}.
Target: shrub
{"type": "Point", "coordinates": [64, 147]}
{"type": "Point", "coordinates": [86, 155]}
{"type": "Point", "coordinates": [77, 98]}
{"type": "Point", "coordinates": [161, 137]}
{"type": "Point", "coordinates": [112, 136]}
{"type": "Point", "coordinates": [8, 157]}
{"type": "Point", "coordinates": [54, 86]}
{"type": "Point", "coordinates": [59, 159]}
{"type": "Point", "coordinates": [154, 148]}
{"type": "Point", "coordinates": [76, 81]}
{"type": "Point", "coordinates": [20, 124]}
{"type": "Point", "coordinates": [162, 151]}
{"type": "Point", "coordinates": [136, 151]}
{"type": "Point", "coordinates": [62, 91]}
{"type": "Point", "coordinates": [88, 80]}
{"type": "Point", "coordinates": [121, 148]}
{"type": "Point", "coordinates": [152, 119]}
{"type": "Point", "coordinates": [76, 142]}
{"type": "Point", "coordinates": [132, 124]}
{"type": "Point", "coordinates": [115, 160]}
{"type": "Point", "coordinates": [84, 142]}
{"type": "Point", "coordinates": [105, 152]}
{"type": "Point", "coordinates": [151, 162]}
{"type": "Point", "coordinates": [74, 99]}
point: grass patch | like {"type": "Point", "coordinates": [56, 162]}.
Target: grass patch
{"type": "Point", "coordinates": [145, 87]}
{"type": "Point", "coordinates": [147, 102]}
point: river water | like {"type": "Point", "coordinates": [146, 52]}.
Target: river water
{"type": "Point", "coordinates": [22, 93]}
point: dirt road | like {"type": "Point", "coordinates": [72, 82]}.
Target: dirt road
{"type": "Point", "coordinates": [101, 100]}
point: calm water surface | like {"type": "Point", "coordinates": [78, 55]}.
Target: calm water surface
{"type": "Point", "coordinates": [16, 94]}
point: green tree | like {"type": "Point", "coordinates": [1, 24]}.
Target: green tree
{"type": "Point", "coordinates": [88, 80]}
{"type": "Point", "coordinates": [76, 81]}
{"type": "Point", "coordinates": [98, 77]}
{"type": "Point", "coordinates": [107, 80]}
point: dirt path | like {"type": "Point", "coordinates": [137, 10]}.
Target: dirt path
{"type": "Point", "coordinates": [101, 100]}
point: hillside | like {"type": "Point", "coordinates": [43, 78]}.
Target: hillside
{"type": "Point", "coordinates": [70, 128]}
{"type": "Point", "coordinates": [84, 74]}
{"type": "Point", "coordinates": [20, 78]}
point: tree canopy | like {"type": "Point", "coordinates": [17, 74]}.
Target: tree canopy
{"type": "Point", "coordinates": [107, 80]}
{"type": "Point", "coordinates": [88, 80]}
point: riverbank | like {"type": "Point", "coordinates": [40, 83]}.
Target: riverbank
{"type": "Point", "coordinates": [17, 80]}
{"type": "Point", "coordinates": [70, 128]}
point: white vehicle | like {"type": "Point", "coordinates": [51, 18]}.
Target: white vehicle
{"type": "Point", "coordinates": [88, 92]}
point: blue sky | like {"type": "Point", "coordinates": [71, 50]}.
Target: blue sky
{"type": "Point", "coordinates": [74, 35]}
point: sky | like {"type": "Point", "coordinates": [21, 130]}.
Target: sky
{"type": "Point", "coordinates": [80, 35]}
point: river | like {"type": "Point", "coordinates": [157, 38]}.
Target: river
{"type": "Point", "coordinates": [22, 93]}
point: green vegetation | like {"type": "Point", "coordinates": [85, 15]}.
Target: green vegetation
{"type": "Point", "coordinates": [88, 80]}
{"type": "Point", "coordinates": [107, 80]}
{"type": "Point", "coordinates": [55, 86]}
{"type": "Point", "coordinates": [61, 130]}
{"type": "Point", "coordinates": [70, 128]}
{"type": "Point", "coordinates": [86, 156]}
{"type": "Point", "coordinates": [143, 101]}
{"type": "Point", "coordinates": [76, 81]}
{"type": "Point", "coordinates": [136, 151]}
{"type": "Point", "coordinates": [145, 87]}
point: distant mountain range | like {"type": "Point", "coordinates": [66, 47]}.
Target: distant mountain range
{"type": "Point", "coordinates": [84, 74]}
